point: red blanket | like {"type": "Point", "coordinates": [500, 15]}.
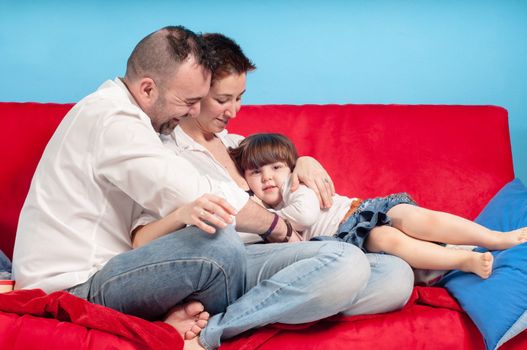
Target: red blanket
{"type": "Point", "coordinates": [20, 329]}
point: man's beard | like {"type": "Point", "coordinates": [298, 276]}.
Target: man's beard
{"type": "Point", "coordinates": [168, 127]}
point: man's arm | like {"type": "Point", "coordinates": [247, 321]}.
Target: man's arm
{"type": "Point", "coordinates": [256, 219]}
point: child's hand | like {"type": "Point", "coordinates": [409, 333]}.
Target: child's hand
{"type": "Point", "coordinates": [207, 212]}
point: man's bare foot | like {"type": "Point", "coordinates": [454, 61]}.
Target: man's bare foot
{"type": "Point", "coordinates": [479, 263]}
{"type": "Point", "coordinates": [188, 319]}
{"type": "Point", "coordinates": [509, 239]}
{"type": "Point", "coordinates": [193, 344]}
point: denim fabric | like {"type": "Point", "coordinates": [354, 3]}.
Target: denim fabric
{"type": "Point", "coordinates": [390, 286]}
{"type": "Point", "coordinates": [5, 267]}
{"type": "Point", "coordinates": [303, 282]}
{"type": "Point", "coordinates": [371, 213]}
{"type": "Point", "coordinates": [185, 265]}
{"type": "Point", "coordinates": [288, 283]}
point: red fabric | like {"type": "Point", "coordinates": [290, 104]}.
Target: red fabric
{"type": "Point", "coordinates": [451, 158]}
{"type": "Point", "coordinates": [430, 320]}
{"type": "Point", "coordinates": [61, 311]}
{"type": "Point", "coordinates": [26, 129]}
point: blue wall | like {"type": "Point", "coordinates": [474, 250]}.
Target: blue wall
{"type": "Point", "coordinates": [409, 52]}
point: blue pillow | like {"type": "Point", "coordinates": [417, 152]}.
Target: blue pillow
{"type": "Point", "coordinates": [498, 305]}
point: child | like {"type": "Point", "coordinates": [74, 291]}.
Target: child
{"type": "Point", "coordinates": [392, 224]}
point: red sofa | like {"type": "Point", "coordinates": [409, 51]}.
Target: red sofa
{"type": "Point", "coordinates": [450, 158]}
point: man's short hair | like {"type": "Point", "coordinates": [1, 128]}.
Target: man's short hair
{"type": "Point", "coordinates": [229, 57]}
{"type": "Point", "coordinates": [160, 53]}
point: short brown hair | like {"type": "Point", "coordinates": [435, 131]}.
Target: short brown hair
{"type": "Point", "coordinates": [258, 150]}
{"type": "Point", "coordinates": [160, 53]}
{"type": "Point", "coordinates": [228, 55]}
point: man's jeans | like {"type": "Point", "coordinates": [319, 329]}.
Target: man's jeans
{"type": "Point", "coordinates": [185, 265]}
{"type": "Point", "coordinates": [248, 286]}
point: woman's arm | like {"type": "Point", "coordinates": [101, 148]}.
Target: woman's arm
{"type": "Point", "coordinates": [311, 173]}
{"type": "Point", "coordinates": [206, 213]}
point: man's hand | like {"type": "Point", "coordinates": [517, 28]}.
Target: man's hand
{"type": "Point", "coordinates": [206, 212]}
{"type": "Point", "coordinates": [309, 171]}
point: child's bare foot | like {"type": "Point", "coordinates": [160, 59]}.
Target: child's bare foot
{"type": "Point", "coordinates": [193, 344]}
{"type": "Point", "coordinates": [188, 319]}
{"type": "Point", "coordinates": [509, 239]}
{"type": "Point", "coordinates": [479, 263]}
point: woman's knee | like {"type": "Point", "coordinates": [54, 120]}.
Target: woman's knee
{"type": "Point", "coordinates": [398, 282]}
{"type": "Point", "coordinates": [349, 275]}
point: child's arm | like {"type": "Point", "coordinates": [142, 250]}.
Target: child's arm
{"type": "Point", "coordinates": [301, 207]}
{"type": "Point", "coordinates": [206, 212]}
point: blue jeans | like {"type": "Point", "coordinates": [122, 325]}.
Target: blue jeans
{"type": "Point", "coordinates": [185, 265]}
{"type": "Point", "coordinates": [307, 281]}
{"type": "Point", "coordinates": [248, 286]}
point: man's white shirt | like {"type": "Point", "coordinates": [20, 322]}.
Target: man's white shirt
{"type": "Point", "coordinates": [102, 167]}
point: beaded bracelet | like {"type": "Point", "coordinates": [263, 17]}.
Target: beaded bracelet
{"type": "Point", "coordinates": [271, 228]}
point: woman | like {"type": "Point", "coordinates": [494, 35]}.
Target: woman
{"type": "Point", "coordinates": [361, 285]}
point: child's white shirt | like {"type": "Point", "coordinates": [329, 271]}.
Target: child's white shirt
{"type": "Point", "coordinates": [302, 209]}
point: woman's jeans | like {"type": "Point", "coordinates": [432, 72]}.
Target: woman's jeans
{"type": "Point", "coordinates": [244, 287]}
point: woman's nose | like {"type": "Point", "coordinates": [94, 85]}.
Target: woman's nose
{"type": "Point", "coordinates": [231, 112]}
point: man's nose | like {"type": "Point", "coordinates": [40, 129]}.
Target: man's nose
{"type": "Point", "coordinates": [194, 109]}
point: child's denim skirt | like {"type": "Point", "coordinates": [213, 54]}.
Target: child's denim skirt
{"type": "Point", "coordinates": [370, 213]}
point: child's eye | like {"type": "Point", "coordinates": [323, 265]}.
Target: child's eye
{"type": "Point", "coordinates": [222, 101]}
{"type": "Point", "coordinates": [255, 172]}
{"type": "Point", "coordinates": [278, 166]}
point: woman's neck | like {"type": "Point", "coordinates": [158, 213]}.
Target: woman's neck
{"type": "Point", "coordinates": [192, 128]}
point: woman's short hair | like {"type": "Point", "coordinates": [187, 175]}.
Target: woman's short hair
{"type": "Point", "coordinates": [229, 57]}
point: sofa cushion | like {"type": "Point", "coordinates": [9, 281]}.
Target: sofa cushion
{"type": "Point", "coordinates": [498, 305]}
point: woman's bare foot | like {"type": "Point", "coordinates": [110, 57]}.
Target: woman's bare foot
{"type": "Point", "coordinates": [479, 263]}
{"type": "Point", "coordinates": [188, 319]}
{"type": "Point", "coordinates": [504, 240]}
{"type": "Point", "coordinates": [193, 344]}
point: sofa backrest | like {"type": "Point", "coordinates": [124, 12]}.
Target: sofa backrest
{"type": "Point", "coordinates": [452, 158]}
{"type": "Point", "coordinates": [26, 129]}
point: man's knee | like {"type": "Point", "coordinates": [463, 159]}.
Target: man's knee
{"type": "Point", "coordinates": [227, 249]}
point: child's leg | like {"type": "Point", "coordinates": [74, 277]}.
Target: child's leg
{"type": "Point", "coordinates": [427, 255]}
{"type": "Point", "coordinates": [436, 226]}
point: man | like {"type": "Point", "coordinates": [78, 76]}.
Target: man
{"type": "Point", "coordinates": [105, 163]}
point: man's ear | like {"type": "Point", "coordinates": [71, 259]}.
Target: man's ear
{"type": "Point", "coordinates": [148, 90]}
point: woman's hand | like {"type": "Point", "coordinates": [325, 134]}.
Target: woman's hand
{"type": "Point", "coordinates": [206, 213]}
{"type": "Point", "coordinates": [309, 171]}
